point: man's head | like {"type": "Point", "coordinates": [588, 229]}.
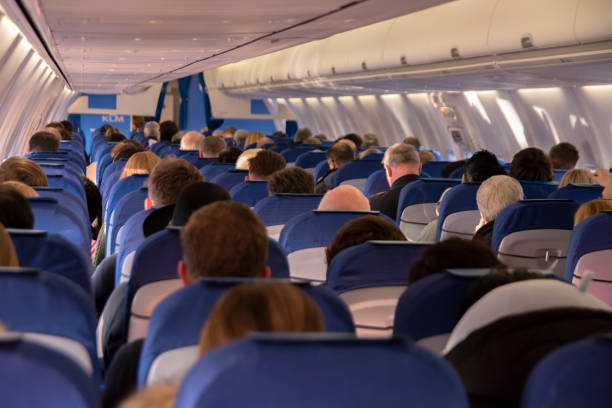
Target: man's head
{"type": "Point", "coordinates": [115, 137]}
{"type": "Point", "coordinates": [126, 149]}
{"type": "Point", "coordinates": [495, 194]}
{"type": "Point", "coordinates": [294, 180]}
{"type": "Point", "coordinates": [482, 165]}
{"type": "Point", "coordinates": [64, 134]}
{"type": "Point", "coordinates": [264, 164]}
{"type": "Point", "coordinates": [240, 136]}
{"type": "Point", "coordinates": [228, 132]}
{"type": "Point", "coordinates": [23, 170]}
{"type": "Point", "coordinates": [191, 141]}
{"type": "Point", "coordinates": [339, 154]}
{"type": "Point", "coordinates": [67, 126]}
{"type": "Point", "coordinates": [564, 156]}
{"type": "Point", "coordinates": [531, 164]}
{"type": "Point", "coordinates": [426, 156]}
{"type": "Point", "coordinates": [151, 129]}
{"type": "Point", "coordinates": [229, 155]}
{"type": "Point", "coordinates": [167, 129]}
{"type": "Point", "coordinates": [344, 198]}
{"type": "Point", "coordinates": [399, 160]}
{"type": "Point", "coordinates": [224, 239]}
{"type": "Point", "coordinates": [211, 146]}
{"type": "Point", "coordinates": [349, 143]}
{"type": "Point", "coordinates": [138, 123]}
{"type": "Point", "coordinates": [169, 177]}
{"type": "Point", "coordinates": [370, 139]}
{"type": "Point", "coordinates": [15, 211]}
{"type": "Point", "coordinates": [264, 141]}
{"type": "Point", "coordinates": [301, 135]}
{"type": "Point", "coordinates": [355, 138]}
{"type": "Point", "coordinates": [55, 132]}
{"type": "Point", "coordinates": [413, 141]}
{"type": "Point", "coordinates": [43, 141]}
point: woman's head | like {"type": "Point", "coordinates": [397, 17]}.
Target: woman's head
{"type": "Point", "coordinates": [140, 163]}
{"type": "Point", "coordinates": [575, 176]}
{"type": "Point", "coordinates": [260, 307]}
{"type": "Point", "coordinates": [591, 208]}
{"type": "Point", "coordinates": [253, 137]}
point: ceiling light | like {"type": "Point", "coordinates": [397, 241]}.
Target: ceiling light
{"type": "Point", "coordinates": [137, 39]}
{"type": "Point", "coordinates": [349, 20]}
{"type": "Point", "coordinates": [194, 39]}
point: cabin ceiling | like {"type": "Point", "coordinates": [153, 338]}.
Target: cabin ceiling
{"type": "Point", "coordinates": [112, 46]}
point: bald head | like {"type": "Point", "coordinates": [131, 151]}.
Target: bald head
{"type": "Point", "coordinates": [191, 141]}
{"type": "Point", "coordinates": [344, 198]}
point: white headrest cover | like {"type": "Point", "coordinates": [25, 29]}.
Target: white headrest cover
{"type": "Point", "coordinates": [520, 297]}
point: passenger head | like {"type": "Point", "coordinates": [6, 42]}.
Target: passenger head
{"type": "Point", "coordinates": [115, 137]}
{"type": "Point", "coordinates": [15, 211]}
{"type": "Point", "coordinates": [240, 136]}
{"type": "Point", "coordinates": [43, 141]}
{"type": "Point", "coordinates": [154, 396]}
{"type": "Point", "coordinates": [23, 170]}
{"type": "Point", "coordinates": [138, 123]}
{"type": "Point", "coordinates": [426, 156]}
{"type": "Point", "coordinates": [229, 155]}
{"type": "Point", "coordinates": [294, 180]}
{"type": "Point", "coordinates": [126, 149]}
{"type": "Point", "coordinates": [245, 157]}
{"type": "Point", "coordinates": [368, 152]}
{"type": "Point", "coordinates": [191, 141]}
{"type": "Point", "coordinates": [217, 133]}
{"type": "Point", "coordinates": [195, 196]}
{"type": "Point", "coordinates": [94, 205]}
{"type": "Point", "coordinates": [265, 141]}
{"type": "Point", "coordinates": [67, 126]}
{"type": "Point", "coordinates": [238, 247]}
{"type": "Point", "coordinates": [575, 176]}
{"type": "Point", "coordinates": [449, 168]}
{"type": "Point", "coordinates": [312, 141]}
{"type": "Point", "coordinates": [110, 130]}
{"type": "Point", "coordinates": [301, 135]}
{"type": "Point", "coordinates": [253, 138]}
{"type": "Point", "coordinates": [497, 193]}
{"type": "Point", "coordinates": [453, 253]}
{"type": "Point", "coordinates": [259, 307]}
{"type": "Point", "coordinates": [370, 139]}
{"type": "Point", "coordinates": [264, 164]}
{"type": "Point", "coordinates": [339, 154]}
{"type": "Point", "coordinates": [64, 134]}
{"type": "Point", "coordinates": [177, 137]}
{"type": "Point", "coordinates": [151, 129]}
{"type": "Point", "coordinates": [55, 132]}
{"type": "Point", "coordinates": [140, 163]}
{"type": "Point", "coordinates": [8, 257]}
{"type": "Point", "coordinates": [360, 230]}
{"type": "Point", "coordinates": [349, 143]}
{"type": "Point", "coordinates": [21, 188]}
{"type": "Point", "coordinates": [563, 156]}
{"type": "Point", "coordinates": [482, 165]}
{"type": "Point", "coordinates": [591, 208]}
{"type": "Point", "coordinates": [321, 137]}
{"type": "Point", "coordinates": [401, 159]}
{"type": "Point", "coordinates": [531, 164]}
{"type": "Point", "coordinates": [167, 129]}
{"type": "Point", "coordinates": [168, 178]}
{"type": "Point", "coordinates": [344, 198]}
{"type": "Point", "coordinates": [211, 146]}
{"type": "Point", "coordinates": [355, 138]}
{"type": "Point", "coordinates": [412, 141]}
{"type": "Point", "coordinates": [228, 132]}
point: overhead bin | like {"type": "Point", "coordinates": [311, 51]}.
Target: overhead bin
{"type": "Point", "coordinates": [593, 20]}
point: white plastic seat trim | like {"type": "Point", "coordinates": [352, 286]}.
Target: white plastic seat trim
{"type": "Point", "coordinates": [172, 366]}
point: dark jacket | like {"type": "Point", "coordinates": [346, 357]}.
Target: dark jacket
{"type": "Point", "coordinates": [485, 234]}
{"type": "Point", "coordinates": [386, 202]}
{"type": "Point", "coordinates": [495, 360]}
{"type": "Point", "coordinates": [327, 182]}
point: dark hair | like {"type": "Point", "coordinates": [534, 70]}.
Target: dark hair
{"type": "Point", "coordinates": [360, 230]}
{"type": "Point", "coordinates": [195, 196]}
{"type": "Point", "coordinates": [67, 125]}
{"type": "Point", "coordinates": [452, 253]}
{"type": "Point", "coordinates": [449, 168]}
{"type": "Point", "coordinates": [15, 211]}
{"type": "Point", "coordinates": [265, 163]}
{"type": "Point", "coordinates": [412, 141]}
{"type": "Point", "coordinates": [167, 129]}
{"type": "Point", "coordinates": [126, 149]}
{"type": "Point", "coordinates": [169, 177]}
{"type": "Point", "coordinates": [531, 164]}
{"type": "Point", "coordinates": [354, 138]}
{"type": "Point", "coordinates": [24, 170]}
{"type": "Point", "coordinates": [340, 153]}
{"type": "Point", "coordinates": [563, 156]}
{"type": "Point", "coordinates": [43, 141]}
{"type": "Point", "coordinates": [138, 122]}
{"type": "Point", "coordinates": [482, 165]}
{"type": "Point", "coordinates": [115, 137]}
{"type": "Point", "coordinates": [229, 155]}
{"type": "Point", "coordinates": [94, 205]}
{"type": "Point", "coordinates": [294, 180]}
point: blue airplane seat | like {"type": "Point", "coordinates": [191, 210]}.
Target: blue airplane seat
{"type": "Point", "coordinates": [434, 168]}
{"type": "Point", "coordinates": [309, 160]}
{"type": "Point", "coordinates": [66, 199]}
{"type": "Point", "coordinates": [213, 169]}
{"type": "Point", "coordinates": [581, 193]}
{"type": "Point", "coordinates": [67, 184]}
{"type": "Point", "coordinates": [321, 169]}
{"type": "Point", "coordinates": [249, 192]}
{"type": "Point", "coordinates": [459, 213]}
{"type": "Point", "coordinates": [230, 178]}
{"type": "Point", "coordinates": [127, 206]}
{"type": "Point", "coordinates": [558, 174]}
{"type": "Point", "coordinates": [356, 172]}
{"type": "Point", "coordinates": [534, 190]}
{"type": "Point", "coordinates": [376, 183]}
{"type": "Point", "coordinates": [131, 237]}
{"type": "Point", "coordinates": [291, 154]}
{"type": "Point", "coordinates": [277, 209]}
{"type": "Point", "coordinates": [119, 189]}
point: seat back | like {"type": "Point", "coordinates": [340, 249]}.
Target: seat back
{"type": "Point", "coordinates": [291, 154]}
{"type": "Point", "coordinates": [211, 170]}
{"type": "Point", "coordinates": [306, 236]}
{"type": "Point", "coordinates": [131, 237]}
{"type": "Point", "coordinates": [581, 193]}
{"type": "Point", "coordinates": [434, 168]}
{"type": "Point", "coordinates": [193, 157]}
{"type": "Point", "coordinates": [376, 183]}
{"type": "Point", "coordinates": [277, 209]}
{"type": "Point", "coordinates": [558, 174]}
{"type": "Point", "coordinates": [120, 189]}
{"type": "Point", "coordinates": [309, 160]}
{"type": "Point", "coordinates": [110, 178]}
{"type": "Point", "coordinates": [535, 190]}
{"type": "Point", "coordinates": [249, 192]}
{"type": "Point", "coordinates": [68, 185]}
{"type": "Point", "coordinates": [127, 206]}
{"type": "Point", "coordinates": [357, 172]}
{"type": "Point", "coordinates": [321, 169]}
{"type": "Point", "coordinates": [459, 213]}
{"type": "Point", "coordinates": [230, 178]}
{"type": "Point", "coordinates": [535, 234]}
{"type": "Point", "coordinates": [339, 370]}
{"type": "Point", "coordinates": [417, 205]}
{"type": "Point", "coordinates": [66, 199]}
{"type": "Point", "coordinates": [572, 376]}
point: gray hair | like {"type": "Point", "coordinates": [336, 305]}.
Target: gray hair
{"type": "Point", "coordinates": [497, 193]}
{"type": "Point", "coordinates": [151, 129]}
{"type": "Point", "coordinates": [212, 145]}
{"type": "Point", "coordinates": [301, 135]}
{"type": "Point", "coordinates": [191, 140]}
{"type": "Point", "coordinates": [401, 154]}
{"type": "Point", "coordinates": [240, 135]}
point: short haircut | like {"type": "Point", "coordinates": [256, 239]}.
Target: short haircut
{"type": "Point", "coordinates": [321, 137]}
{"type": "Point", "coordinates": [453, 253]}
{"type": "Point", "coordinates": [413, 141]}
{"type": "Point", "coordinates": [245, 157]}
{"type": "Point", "coordinates": [360, 230]}
{"type": "Point", "coordinates": [60, 128]}
{"type": "Point", "coordinates": [497, 193]}
{"type": "Point", "coordinates": [212, 146]}
{"type": "Point", "coordinates": [21, 188]}
{"type": "Point", "coordinates": [450, 167]}
{"type": "Point", "coordinates": [575, 176]}
{"type": "Point", "coordinates": [401, 154]}
{"type": "Point", "coordinates": [138, 122]}
{"type": "Point", "coordinates": [140, 163]}
{"type": "Point", "coordinates": [115, 137]}
{"type": "Point", "coordinates": [293, 180]}
{"type": "Point", "coordinates": [426, 156]}
{"type": "Point", "coordinates": [168, 179]}
{"type": "Point", "coordinates": [482, 165]}
{"type": "Point", "coordinates": [265, 163]}
{"type": "Point", "coordinates": [370, 139]}
{"type": "Point", "coordinates": [23, 170]}
{"type": "Point", "coordinates": [126, 149]}
{"type": "Point", "coordinates": [151, 129]}
{"type": "Point", "coordinates": [15, 211]}
{"type": "Point", "coordinates": [591, 208]}
{"type": "Point", "coordinates": [67, 125]}
{"type": "Point", "coordinates": [43, 141]}
{"type": "Point", "coordinates": [167, 129]}
{"type": "Point", "coordinates": [312, 141]}
{"type": "Point", "coordinates": [340, 153]}
{"type": "Point", "coordinates": [177, 137]}
{"type": "Point", "coordinates": [230, 129]}
{"type": "Point", "coordinates": [353, 137]}
{"type": "Point", "coordinates": [531, 164]}
{"type": "Point", "coordinates": [229, 155]}
{"type": "Point", "coordinates": [224, 239]}
{"type": "Point", "coordinates": [194, 196]}
{"type": "Point", "coordinates": [301, 135]}
{"type": "Point", "coordinates": [191, 140]}
{"type": "Point", "coordinates": [259, 307]}
{"type": "Point", "coordinates": [564, 156]}
{"type": "Point", "coordinates": [240, 135]}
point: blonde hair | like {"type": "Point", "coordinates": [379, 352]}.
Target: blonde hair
{"type": "Point", "coordinates": [8, 256]}
{"type": "Point", "coordinates": [575, 176]}
{"type": "Point", "coordinates": [259, 307]}
{"type": "Point", "coordinates": [253, 137]}
{"type": "Point", "coordinates": [21, 188]}
{"type": "Point", "coordinates": [140, 163]}
{"type": "Point", "coordinates": [23, 170]}
{"type": "Point", "coordinates": [243, 160]}
{"type": "Point", "coordinates": [156, 396]}
{"type": "Point", "coordinates": [591, 208]}
{"type": "Point", "coordinates": [312, 141]}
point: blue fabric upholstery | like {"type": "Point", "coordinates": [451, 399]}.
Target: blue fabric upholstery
{"type": "Point", "coordinates": [230, 178]}
{"type": "Point", "coordinates": [529, 215]}
{"type": "Point", "coordinates": [422, 191]}
{"type": "Point", "coordinates": [193, 304]}
{"type": "Point", "coordinates": [211, 170]}
{"type": "Point", "coordinates": [193, 157]}
{"type": "Point", "coordinates": [460, 198]}
{"type": "Point", "coordinates": [72, 157]}
{"type": "Point", "coordinates": [119, 189]}
{"type": "Point", "coordinates": [310, 159]}
{"type": "Point", "coordinates": [457, 173]}
{"type": "Point", "coordinates": [373, 263]}
{"type": "Point", "coordinates": [590, 235]}
{"type": "Point", "coordinates": [40, 302]}
{"type": "Point", "coordinates": [131, 237]}
{"type": "Point", "coordinates": [575, 375]}
{"type": "Point", "coordinates": [356, 169]}
{"type": "Point", "coordinates": [66, 199]}
{"type": "Point", "coordinates": [558, 174]}
{"type": "Point", "coordinates": [55, 169]}
{"type": "Point", "coordinates": [317, 371]}
{"type": "Point", "coordinates": [291, 154]}
{"type": "Point", "coordinates": [127, 206]}
{"type": "Point", "coordinates": [321, 169]}
{"type": "Point", "coordinates": [68, 185]}
{"type": "Point", "coordinates": [434, 168]}
{"type": "Point", "coordinates": [104, 161]}
{"type": "Point", "coordinates": [52, 253]}
{"type": "Point", "coordinates": [110, 177]}
{"type": "Point", "coordinates": [376, 183]}
{"type": "Point", "coordinates": [70, 166]}
{"type": "Point", "coordinates": [534, 190]}
{"type": "Point", "coordinates": [249, 192]}
{"type": "Point", "coordinates": [277, 209]}
{"type": "Point", "coordinates": [581, 193]}
{"type": "Point", "coordinates": [35, 376]}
